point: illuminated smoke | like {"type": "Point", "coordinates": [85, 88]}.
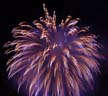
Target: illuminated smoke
{"type": "Point", "coordinates": [53, 60]}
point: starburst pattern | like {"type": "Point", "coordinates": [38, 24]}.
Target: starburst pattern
{"type": "Point", "coordinates": [53, 60]}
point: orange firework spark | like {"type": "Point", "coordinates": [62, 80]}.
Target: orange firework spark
{"type": "Point", "coordinates": [53, 60]}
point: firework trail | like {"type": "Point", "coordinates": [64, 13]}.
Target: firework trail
{"type": "Point", "coordinates": [53, 60]}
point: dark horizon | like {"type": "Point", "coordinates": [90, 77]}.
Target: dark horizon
{"type": "Point", "coordinates": [92, 13]}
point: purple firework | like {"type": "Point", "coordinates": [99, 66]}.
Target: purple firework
{"type": "Point", "coordinates": [53, 60]}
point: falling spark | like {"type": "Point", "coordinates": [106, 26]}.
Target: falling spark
{"type": "Point", "coordinates": [54, 60]}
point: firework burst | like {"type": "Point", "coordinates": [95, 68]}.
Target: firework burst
{"type": "Point", "coordinates": [53, 60]}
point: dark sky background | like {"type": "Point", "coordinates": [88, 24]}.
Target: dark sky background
{"type": "Point", "coordinates": [92, 12]}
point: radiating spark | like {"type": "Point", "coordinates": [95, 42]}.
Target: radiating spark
{"type": "Point", "coordinates": [53, 59]}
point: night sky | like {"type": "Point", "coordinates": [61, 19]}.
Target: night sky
{"type": "Point", "coordinates": [93, 13]}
